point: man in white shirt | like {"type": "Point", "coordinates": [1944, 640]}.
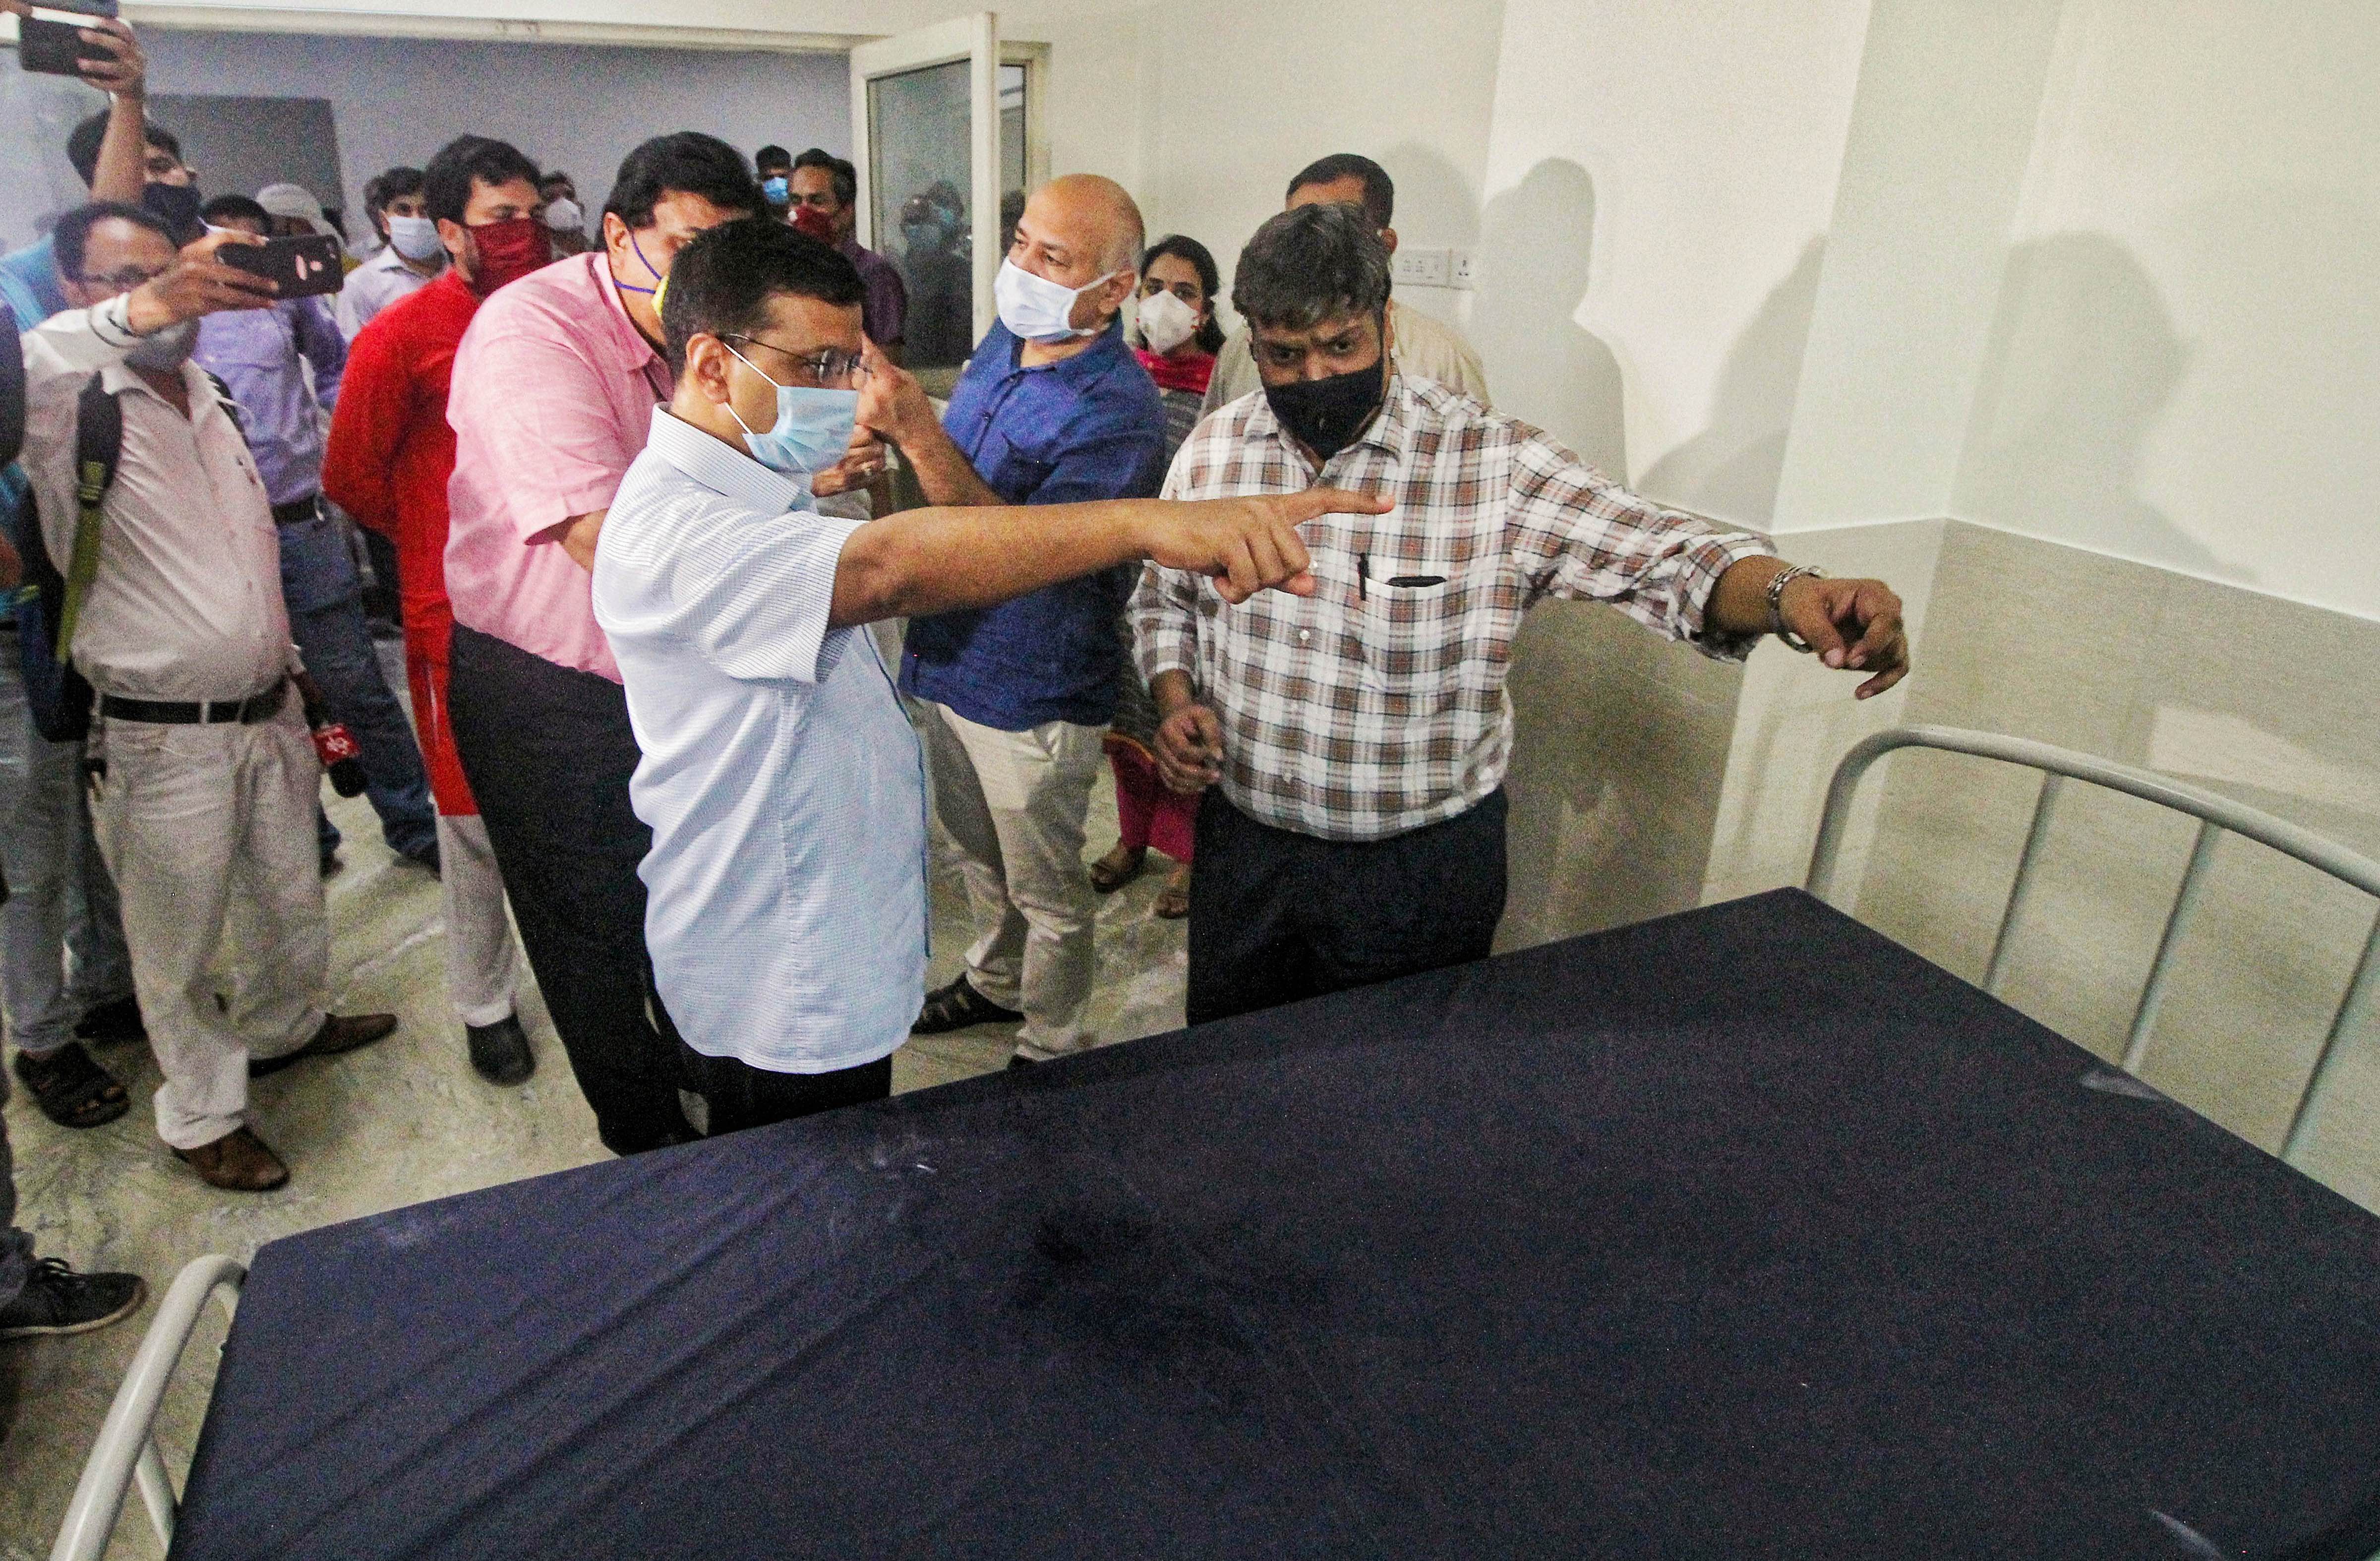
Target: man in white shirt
{"type": "Point", "coordinates": [787, 915]}
{"type": "Point", "coordinates": [1426, 348]}
{"type": "Point", "coordinates": [411, 254]}
{"type": "Point", "coordinates": [205, 808]}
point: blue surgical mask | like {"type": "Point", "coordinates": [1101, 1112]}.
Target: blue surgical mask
{"type": "Point", "coordinates": [415, 237]}
{"type": "Point", "coordinates": [812, 431]}
{"type": "Point", "coordinates": [779, 191]}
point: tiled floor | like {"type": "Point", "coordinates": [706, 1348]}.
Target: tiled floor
{"type": "Point", "coordinates": [405, 1121]}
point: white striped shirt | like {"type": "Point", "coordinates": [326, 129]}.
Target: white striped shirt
{"type": "Point", "coordinates": [786, 788]}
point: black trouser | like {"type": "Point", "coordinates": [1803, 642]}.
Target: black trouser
{"type": "Point", "coordinates": [1276, 916]}
{"type": "Point", "coordinates": [548, 751]}
{"type": "Point", "coordinates": [742, 1097]}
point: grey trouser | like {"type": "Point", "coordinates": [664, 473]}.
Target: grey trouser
{"type": "Point", "coordinates": [62, 936]}
{"type": "Point", "coordinates": [16, 1246]}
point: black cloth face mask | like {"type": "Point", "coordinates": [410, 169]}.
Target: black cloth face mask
{"type": "Point", "coordinates": [177, 205]}
{"type": "Point", "coordinates": [1326, 415]}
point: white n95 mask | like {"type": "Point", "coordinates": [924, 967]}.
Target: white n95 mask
{"type": "Point", "coordinates": [1038, 309]}
{"type": "Point", "coordinates": [1166, 321]}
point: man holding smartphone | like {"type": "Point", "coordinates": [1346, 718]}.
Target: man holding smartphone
{"type": "Point", "coordinates": [211, 777]}
{"type": "Point", "coordinates": [284, 366]}
{"type": "Point", "coordinates": [110, 151]}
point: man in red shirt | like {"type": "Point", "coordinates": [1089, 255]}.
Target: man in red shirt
{"type": "Point", "coordinates": [391, 454]}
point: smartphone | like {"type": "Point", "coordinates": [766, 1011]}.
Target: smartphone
{"type": "Point", "coordinates": [49, 40]}
{"type": "Point", "coordinates": [307, 266]}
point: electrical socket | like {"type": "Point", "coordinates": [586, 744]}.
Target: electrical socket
{"type": "Point", "coordinates": [1422, 268]}
{"type": "Point", "coordinates": [1465, 269]}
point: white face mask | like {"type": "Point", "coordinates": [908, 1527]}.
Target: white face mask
{"type": "Point", "coordinates": [1038, 309]}
{"type": "Point", "coordinates": [562, 216]}
{"type": "Point", "coordinates": [1166, 321]}
{"type": "Point", "coordinates": [416, 238]}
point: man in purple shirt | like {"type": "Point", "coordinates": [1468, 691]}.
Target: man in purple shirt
{"type": "Point", "coordinates": [263, 356]}
{"type": "Point", "coordinates": [829, 185]}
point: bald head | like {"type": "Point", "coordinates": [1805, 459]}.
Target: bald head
{"type": "Point", "coordinates": [1083, 233]}
{"type": "Point", "coordinates": [1093, 219]}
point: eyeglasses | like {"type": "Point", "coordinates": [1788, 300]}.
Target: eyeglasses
{"type": "Point", "coordinates": [828, 366]}
{"type": "Point", "coordinates": [126, 280]}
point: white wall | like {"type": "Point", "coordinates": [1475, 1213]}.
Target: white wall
{"type": "Point", "coordinates": [578, 108]}
{"type": "Point", "coordinates": [35, 179]}
{"type": "Point", "coordinates": [1659, 180]}
{"type": "Point", "coordinates": [2185, 370]}
{"type": "Point", "coordinates": [1206, 111]}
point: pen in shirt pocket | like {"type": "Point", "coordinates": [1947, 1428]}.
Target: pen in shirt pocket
{"type": "Point", "coordinates": [1402, 582]}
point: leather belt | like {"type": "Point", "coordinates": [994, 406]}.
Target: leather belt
{"type": "Point", "coordinates": [214, 713]}
{"type": "Point", "coordinates": [296, 510]}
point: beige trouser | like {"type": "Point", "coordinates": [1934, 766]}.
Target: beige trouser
{"type": "Point", "coordinates": [209, 830]}
{"type": "Point", "coordinates": [482, 970]}
{"type": "Point", "coordinates": [1014, 804]}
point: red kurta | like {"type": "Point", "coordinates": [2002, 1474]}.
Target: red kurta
{"type": "Point", "coordinates": [390, 456]}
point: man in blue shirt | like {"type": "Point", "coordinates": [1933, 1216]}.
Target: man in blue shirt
{"type": "Point", "coordinates": [1052, 410]}
{"type": "Point", "coordinates": [267, 357]}
{"type": "Point", "coordinates": [786, 908]}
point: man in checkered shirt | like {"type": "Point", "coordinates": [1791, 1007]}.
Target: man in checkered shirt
{"type": "Point", "coordinates": [1356, 739]}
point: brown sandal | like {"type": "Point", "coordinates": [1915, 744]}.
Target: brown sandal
{"type": "Point", "coordinates": [1108, 874]}
{"type": "Point", "coordinates": [1173, 900]}
{"type": "Point", "coordinates": [71, 1089]}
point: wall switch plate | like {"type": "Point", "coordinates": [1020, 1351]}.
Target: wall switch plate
{"type": "Point", "coordinates": [1422, 268]}
{"type": "Point", "coordinates": [1464, 269]}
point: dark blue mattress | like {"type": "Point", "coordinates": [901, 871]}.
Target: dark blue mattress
{"type": "Point", "coordinates": [1746, 1233]}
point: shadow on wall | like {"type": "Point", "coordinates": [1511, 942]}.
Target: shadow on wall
{"type": "Point", "coordinates": [1730, 470]}
{"type": "Point", "coordinates": [1537, 245]}
{"type": "Point", "coordinates": [1435, 204]}
{"type": "Point", "coordinates": [2082, 362]}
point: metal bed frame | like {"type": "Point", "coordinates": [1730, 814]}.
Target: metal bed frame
{"type": "Point", "coordinates": [127, 1451]}
{"type": "Point", "coordinates": [2216, 816]}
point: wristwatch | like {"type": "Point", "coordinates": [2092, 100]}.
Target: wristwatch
{"type": "Point", "coordinates": [1776, 584]}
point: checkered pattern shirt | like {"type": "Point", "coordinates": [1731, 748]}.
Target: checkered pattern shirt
{"type": "Point", "coordinates": [1377, 705]}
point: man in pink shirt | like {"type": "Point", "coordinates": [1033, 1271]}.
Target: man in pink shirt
{"type": "Point", "coordinates": [553, 394]}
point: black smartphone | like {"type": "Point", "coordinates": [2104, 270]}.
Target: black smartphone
{"type": "Point", "coordinates": [307, 266]}
{"type": "Point", "coordinates": [49, 40]}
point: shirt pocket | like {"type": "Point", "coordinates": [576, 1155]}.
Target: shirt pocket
{"type": "Point", "coordinates": [1417, 640]}
{"type": "Point", "coordinates": [1016, 473]}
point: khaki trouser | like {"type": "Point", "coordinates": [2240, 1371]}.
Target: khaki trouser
{"type": "Point", "coordinates": [209, 830]}
{"type": "Point", "coordinates": [1014, 803]}
{"type": "Point", "coordinates": [482, 971]}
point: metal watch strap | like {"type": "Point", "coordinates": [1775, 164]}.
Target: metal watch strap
{"type": "Point", "coordinates": [1776, 584]}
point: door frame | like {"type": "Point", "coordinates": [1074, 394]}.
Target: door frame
{"type": "Point", "coordinates": [975, 39]}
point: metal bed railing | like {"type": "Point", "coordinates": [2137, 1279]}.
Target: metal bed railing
{"type": "Point", "coordinates": [2216, 816]}
{"type": "Point", "coordinates": [127, 1451]}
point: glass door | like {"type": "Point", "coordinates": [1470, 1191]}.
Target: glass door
{"type": "Point", "coordinates": [926, 133]}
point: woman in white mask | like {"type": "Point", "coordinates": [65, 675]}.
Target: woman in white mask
{"type": "Point", "coordinates": [1175, 337]}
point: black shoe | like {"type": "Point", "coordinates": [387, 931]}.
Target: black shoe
{"type": "Point", "coordinates": [425, 858]}
{"type": "Point", "coordinates": [1020, 1060]}
{"type": "Point", "coordinates": [111, 1022]}
{"type": "Point", "coordinates": [331, 864]}
{"type": "Point", "coordinates": [500, 1052]}
{"type": "Point", "coordinates": [958, 1005]}
{"type": "Point", "coordinates": [56, 1300]}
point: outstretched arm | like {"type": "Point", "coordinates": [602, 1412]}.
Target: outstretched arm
{"type": "Point", "coordinates": [925, 561]}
